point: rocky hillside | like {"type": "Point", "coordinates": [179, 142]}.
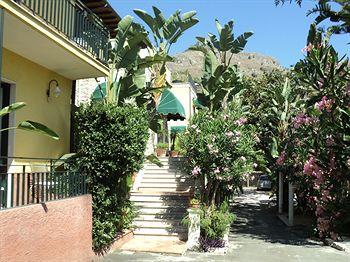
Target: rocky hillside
{"type": "Point", "coordinates": [191, 62]}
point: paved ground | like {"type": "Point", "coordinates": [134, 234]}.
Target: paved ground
{"type": "Point", "coordinates": [257, 235]}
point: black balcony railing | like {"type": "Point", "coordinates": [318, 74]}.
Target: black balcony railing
{"type": "Point", "coordinates": [75, 21]}
{"type": "Point", "coordinates": [32, 186]}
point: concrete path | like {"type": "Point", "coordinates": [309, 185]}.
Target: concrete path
{"type": "Point", "coordinates": [257, 235]}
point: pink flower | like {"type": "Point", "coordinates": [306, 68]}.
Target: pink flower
{"type": "Point", "coordinates": [307, 48]}
{"type": "Point", "coordinates": [196, 170]}
{"type": "Point", "coordinates": [320, 83]}
{"type": "Point", "coordinates": [325, 103]}
{"type": "Point", "coordinates": [309, 166]}
{"type": "Point", "coordinates": [241, 121]}
{"type": "Point", "coordinates": [217, 170]}
{"type": "Point", "coordinates": [229, 134]}
{"type": "Point", "coordinates": [330, 141]}
{"type": "Point", "coordinates": [281, 158]}
{"type": "Point", "coordinates": [319, 210]}
{"type": "Point", "coordinates": [302, 119]}
{"type": "Point", "coordinates": [255, 165]}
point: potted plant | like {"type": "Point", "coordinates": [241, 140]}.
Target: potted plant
{"type": "Point", "coordinates": [161, 149]}
{"type": "Point", "coordinates": [194, 203]}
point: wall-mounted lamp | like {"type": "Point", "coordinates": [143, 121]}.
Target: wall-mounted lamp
{"type": "Point", "coordinates": [53, 90]}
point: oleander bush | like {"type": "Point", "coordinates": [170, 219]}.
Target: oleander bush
{"type": "Point", "coordinates": [221, 151]}
{"type": "Point", "coordinates": [111, 145]}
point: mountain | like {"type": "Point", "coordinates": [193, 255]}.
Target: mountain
{"type": "Point", "coordinates": [191, 62]}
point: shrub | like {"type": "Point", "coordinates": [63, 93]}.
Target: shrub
{"type": "Point", "coordinates": [215, 222]}
{"type": "Point", "coordinates": [162, 145]}
{"type": "Point", "coordinates": [111, 146]}
{"type": "Point", "coordinates": [220, 148]}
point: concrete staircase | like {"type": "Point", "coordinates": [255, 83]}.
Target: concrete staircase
{"type": "Point", "coordinates": [162, 196]}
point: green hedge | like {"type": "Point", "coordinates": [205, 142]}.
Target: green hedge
{"type": "Point", "coordinates": [111, 144]}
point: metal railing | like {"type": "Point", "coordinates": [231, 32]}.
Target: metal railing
{"type": "Point", "coordinates": [33, 187]}
{"type": "Point", "coordinates": [75, 21]}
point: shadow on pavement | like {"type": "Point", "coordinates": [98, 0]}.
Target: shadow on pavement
{"type": "Point", "coordinates": [256, 219]}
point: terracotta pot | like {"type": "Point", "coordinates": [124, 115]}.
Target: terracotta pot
{"type": "Point", "coordinates": [133, 177]}
{"type": "Point", "coordinates": [174, 153]}
{"type": "Point", "coordinates": [194, 205]}
{"type": "Point", "coordinates": [161, 152]}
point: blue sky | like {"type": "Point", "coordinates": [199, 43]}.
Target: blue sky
{"type": "Point", "coordinates": [279, 32]}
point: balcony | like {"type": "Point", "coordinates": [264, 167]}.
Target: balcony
{"type": "Point", "coordinates": [64, 36]}
{"type": "Point", "coordinates": [75, 21]}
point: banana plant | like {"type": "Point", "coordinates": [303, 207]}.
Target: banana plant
{"type": "Point", "coordinates": [166, 32]}
{"type": "Point", "coordinates": [221, 81]}
{"type": "Point", "coordinates": [27, 125]}
{"type": "Point", "coordinates": [285, 104]}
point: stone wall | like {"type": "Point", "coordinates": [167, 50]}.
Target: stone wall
{"type": "Point", "coordinates": [56, 231]}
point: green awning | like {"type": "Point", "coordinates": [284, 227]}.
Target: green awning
{"type": "Point", "coordinates": [177, 129]}
{"type": "Point", "coordinates": [170, 105]}
{"type": "Point", "coordinates": [198, 104]}
{"type": "Point", "coordinates": [99, 92]}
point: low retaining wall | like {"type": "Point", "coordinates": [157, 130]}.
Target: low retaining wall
{"type": "Point", "coordinates": [56, 231]}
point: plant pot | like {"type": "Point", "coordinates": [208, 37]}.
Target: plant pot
{"type": "Point", "coordinates": [133, 177]}
{"type": "Point", "coordinates": [194, 206]}
{"type": "Point", "coordinates": [161, 152]}
{"type": "Point", "coordinates": [174, 153]}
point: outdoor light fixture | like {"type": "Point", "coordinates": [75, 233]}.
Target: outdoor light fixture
{"type": "Point", "coordinates": [53, 90]}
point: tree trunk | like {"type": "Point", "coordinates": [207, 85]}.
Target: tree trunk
{"type": "Point", "coordinates": [213, 196]}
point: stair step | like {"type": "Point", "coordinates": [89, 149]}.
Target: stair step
{"type": "Point", "coordinates": [158, 217]}
{"type": "Point", "coordinates": [164, 194]}
{"type": "Point", "coordinates": [164, 188]}
{"type": "Point", "coordinates": [165, 204]}
{"type": "Point", "coordinates": [163, 171]}
{"type": "Point", "coordinates": [162, 212]}
{"type": "Point", "coordinates": [165, 175]}
{"type": "Point", "coordinates": [159, 231]}
{"type": "Point", "coordinates": [159, 224]}
{"type": "Point", "coordinates": [166, 180]}
{"type": "Point", "coordinates": [158, 198]}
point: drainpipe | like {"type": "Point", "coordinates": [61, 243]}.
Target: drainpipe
{"type": "Point", "coordinates": [72, 117]}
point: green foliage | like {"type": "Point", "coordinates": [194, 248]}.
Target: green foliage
{"type": "Point", "coordinates": [220, 147]}
{"type": "Point", "coordinates": [27, 125]}
{"type": "Point", "coordinates": [111, 146]}
{"type": "Point", "coordinates": [214, 222]}
{"type": "Point", "coordinates": [221, 81]}
{"type": "Point", "coordinates": [162, 145]}
{"type": "Point", "coordinates": [305, 122]}
{"type": "Point", "coordinates": [167, 31]}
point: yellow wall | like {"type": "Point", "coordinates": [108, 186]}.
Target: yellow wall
{"type": "Point", "coordinates": [31, 82]}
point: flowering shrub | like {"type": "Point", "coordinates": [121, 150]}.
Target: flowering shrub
{"type": "Point", "coordinates": [220, 149]}
{"type": "Point", "coordinates": [320, 139]}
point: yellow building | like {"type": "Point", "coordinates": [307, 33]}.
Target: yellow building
{"type": "Point", "coordinates": [46, 46]}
